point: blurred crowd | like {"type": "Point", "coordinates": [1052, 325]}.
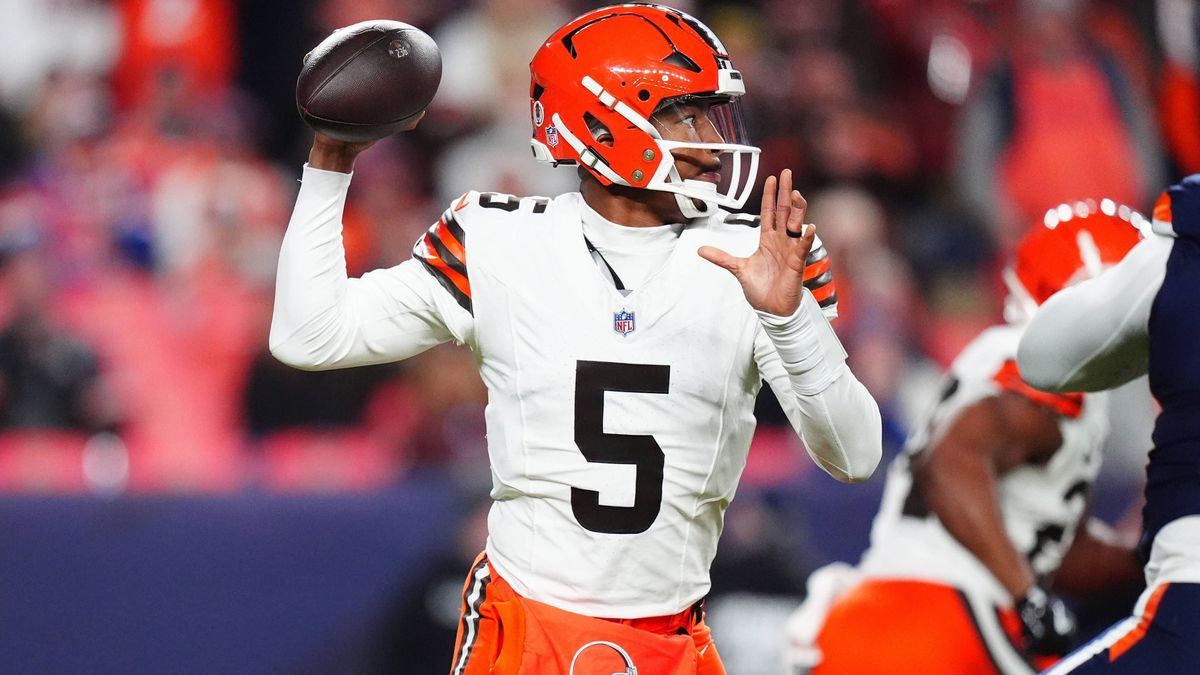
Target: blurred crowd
{"type": "Point", "coordinates": [149, 151]}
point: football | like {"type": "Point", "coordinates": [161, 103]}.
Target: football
{"type": "Point", "coordinates": [368, 80]}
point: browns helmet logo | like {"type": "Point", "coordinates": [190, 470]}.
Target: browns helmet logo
{"type": "Point", "coordinates": [597, 658]}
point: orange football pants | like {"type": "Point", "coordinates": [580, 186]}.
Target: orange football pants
{"type": "Point", "coordinates": [504, 633]}
{"type": "Point", "coordinates": [901, 627]}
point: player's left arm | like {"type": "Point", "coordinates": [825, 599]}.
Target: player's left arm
{"type": "Point", "coordinates": [797, 352]}
{"type": "Point", "coordinates": [828, 407]}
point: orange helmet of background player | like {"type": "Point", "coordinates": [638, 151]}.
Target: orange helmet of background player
{"type": "Point", "coordinates": [1075, 241]}
{"type": "Point", "coordinates": [599, 81]}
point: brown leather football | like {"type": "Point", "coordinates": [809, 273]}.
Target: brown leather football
{"type": "Point", "coordinates": [368, 80]}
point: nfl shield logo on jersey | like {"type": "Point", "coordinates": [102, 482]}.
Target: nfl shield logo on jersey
{"type": "Point", "coordinates": [623, 322]}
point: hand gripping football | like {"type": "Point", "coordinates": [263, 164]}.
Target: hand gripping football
{"type": "Point", "coordinates": [368, 80]}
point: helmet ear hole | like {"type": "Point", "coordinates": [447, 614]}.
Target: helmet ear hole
{"type": "Point", "coordinates": [644, 95]}
{"type": "Point", "coordinates": [599, 130]}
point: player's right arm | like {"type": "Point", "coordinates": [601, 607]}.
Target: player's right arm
{"type": "Point", "coordinates": [322, 319]}
{"type": "Point", "coordinates": [958, 474]}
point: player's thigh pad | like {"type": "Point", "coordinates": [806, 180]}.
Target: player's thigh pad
{"type": "Point", "coordinates": [902, 627]}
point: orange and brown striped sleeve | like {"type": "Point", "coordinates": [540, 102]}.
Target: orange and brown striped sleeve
{"type": "Point", "coordinates": [443, 252]}
{"type": "Point", "coordinates": [818, 277]}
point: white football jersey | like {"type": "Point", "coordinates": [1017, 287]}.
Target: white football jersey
{"type": "Point", "coordinates": [1041, 504]}
{"type": "Point", "coordinates": [618, 424]}
{"type": "Point", "coordinates": [618, 419]}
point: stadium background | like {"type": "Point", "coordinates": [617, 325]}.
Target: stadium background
{"type": "Point", "coordinates": [172, 500]}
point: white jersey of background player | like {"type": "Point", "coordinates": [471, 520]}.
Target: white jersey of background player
{"type": "Point", "coordinates": [989, 494]}
{"type": "Point", "coordinates": [621, 363]}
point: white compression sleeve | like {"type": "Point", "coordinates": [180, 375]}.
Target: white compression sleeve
{"type": "Point", "coordinates": [804, 363]}
{"type": "Point", "coordinates": [1094, 335]}
{"type": "Point", "coordinates": [322, 319]}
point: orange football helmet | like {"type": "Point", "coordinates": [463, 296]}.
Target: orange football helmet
{"type": "Point", "coordinates": [1075, 241]}
{"type": "Point", "coordinates": [612, 89]}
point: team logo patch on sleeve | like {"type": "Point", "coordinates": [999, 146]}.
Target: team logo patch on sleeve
{"type": "Point", "coordinates": [623, 322]}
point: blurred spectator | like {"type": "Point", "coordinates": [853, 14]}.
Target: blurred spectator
{"type": "Point", "coordinates": [1056, 118]}
{"type": "Point", "coordinates": [49, 379]}
{"type": "Point", "coordinates": [191, 41]}
{"type": "Point", "coordinates": [278, 398]}
{"type": "Point", "coordinates": [40, 37]}
{"type": "Point", "coordinates": [484, 94]}
{"type": "Point", "coordinates": [1179, 86]}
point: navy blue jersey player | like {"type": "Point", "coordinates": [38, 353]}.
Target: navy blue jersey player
{"type": "Point", "coordinates": [1142, 316]}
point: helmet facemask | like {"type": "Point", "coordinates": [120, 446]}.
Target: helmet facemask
{"type": "Point", "coordinates": [707, 135]}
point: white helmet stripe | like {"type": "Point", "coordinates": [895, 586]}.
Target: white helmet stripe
{"type": "Point", "coordinates": [586, 156]}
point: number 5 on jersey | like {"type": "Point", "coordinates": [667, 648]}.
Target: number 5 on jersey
{"type": "Point", "coordinates": [592, 380]}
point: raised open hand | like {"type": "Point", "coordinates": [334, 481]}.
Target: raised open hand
{"type": "Point", "coordinates": [772, 277]}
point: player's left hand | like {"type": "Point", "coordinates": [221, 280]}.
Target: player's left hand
{"type": "Point", "coordinates": [1046, 623]}
{"type": "Point", "coordinates": [772, 277]}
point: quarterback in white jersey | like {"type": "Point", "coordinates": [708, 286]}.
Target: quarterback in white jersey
{"type": "Point", "coordinates": [621, 361]}
{"type": "Point", "coordinates": [979, 513]}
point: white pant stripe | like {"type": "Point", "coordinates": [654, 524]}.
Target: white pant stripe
{"type": "Point", "coordinates": [1099, 644]}
{"type": "Point", "coordinates": [471, 618]}
{"type": "Point", "coordinates": [995, 640]}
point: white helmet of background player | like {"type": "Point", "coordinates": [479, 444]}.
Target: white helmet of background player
{"type": "Point", "coordinates": [604, 87]}
{"type": "Point", "coordinates": [1073, 242]}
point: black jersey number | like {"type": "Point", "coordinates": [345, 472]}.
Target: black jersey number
{"type": "Point", "coordinates": [509, 203]}
{"type": "Point", "coordinates": [1051, 534]}
{"type": "Point", "coordinates": [592, 380]}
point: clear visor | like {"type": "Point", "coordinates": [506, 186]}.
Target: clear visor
{"type": "Point", "coordinates": [701, 119]}
{"type": "Point", "coordinates": [711, 158]}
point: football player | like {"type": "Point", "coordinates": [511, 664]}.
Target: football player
{"type": "Point", "coordinates": [622, 362]}
{"type": "Point", "coordinates": [1143, 316]}
{"type": "Point", "coordinates": [986, 505]}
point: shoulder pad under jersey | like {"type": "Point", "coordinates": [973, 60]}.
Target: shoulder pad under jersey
{"type": "Point", "coordinates": [442, 250]}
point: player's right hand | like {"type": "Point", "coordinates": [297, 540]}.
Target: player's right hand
{"type": "Point", "coordinates": [1046, 623]}
{"type": "Point", "coordinates": [331, 154]}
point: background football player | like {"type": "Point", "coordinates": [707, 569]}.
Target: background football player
{"type": "Point", "coordinates": [621, 361]}
{"type": "Point", "coordinates": [1143, 316]}
{"type": "Point", "coordinates": [983, 510]}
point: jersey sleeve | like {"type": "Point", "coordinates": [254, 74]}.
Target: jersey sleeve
{"type": "Point", "coordinates": [442, 251]}
{"type": "Point", "coordinates": [818, 279]}
{"type": "Point", "coordinates": [322, 319]}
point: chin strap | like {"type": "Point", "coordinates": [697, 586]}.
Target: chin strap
{"type": "Point", "coordinates": [687, 206]}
